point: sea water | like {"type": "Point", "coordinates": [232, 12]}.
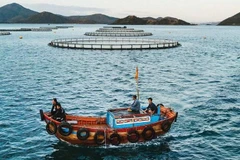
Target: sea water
{"type": "Point", "coordinates": [200, 80]}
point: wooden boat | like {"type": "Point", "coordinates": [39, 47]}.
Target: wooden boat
{"type": "Point", "coordinates": [118, 127]}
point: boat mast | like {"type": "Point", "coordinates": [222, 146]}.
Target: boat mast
{"type": "Point", "coordinates": [136, 78]}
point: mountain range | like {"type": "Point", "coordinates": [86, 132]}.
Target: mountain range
{"type": "Point", "coordinates": [15, 13]}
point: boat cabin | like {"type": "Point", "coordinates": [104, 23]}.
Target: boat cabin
{"type": "Point", "coordinates": [122, 118]}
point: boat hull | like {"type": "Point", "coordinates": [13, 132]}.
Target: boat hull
{"type": "Point", "coordinates": [94, 131]}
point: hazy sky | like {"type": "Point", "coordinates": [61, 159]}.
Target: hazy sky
{"type": "Point", "coordinates": [188, 10]}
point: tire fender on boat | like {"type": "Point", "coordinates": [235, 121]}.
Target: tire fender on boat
{"type": "Point", "coordinates": [65, 129]}
{"type": "Point", "coordinates": [115, 139]}
{"type": "Point", "coordinates": [133, 136]}
{"type": "Point", "coordinates": [146, 135]}
{"type": "Point", "coordinates": [176, 116]}
{"type": "Point", "coordinates": [83, 134]}
{"type": "Point", "coordinates": [98, 140]}
{"type": "Point", "coordinates": [41, 115]}
{"type": "Point", "coordinates": [51, 128]}
{"type": "Point", "coordinates": [166, 125]}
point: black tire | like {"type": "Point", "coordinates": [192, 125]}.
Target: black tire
{"type": "Point", "coordinates": [65, 125]}
{"type": "Point", "coordinates": [115, 139]}
{"type": "Point", "coordinates": [83, 134]}
{"type": "Point", "coordinates": [147, 136]}
{"type": "Point", "coordinates": [176, 116]}
{"type": "Point", "coordinates": [41, 115]}
{"type": "Point", "coordinates": [51, 128]}
{"type": "Point", "coordinates": [166, 125]}
{"type": "Point", "coordinates": [133, 136]}
{"type": "Point", "coordinates": [96, 137]}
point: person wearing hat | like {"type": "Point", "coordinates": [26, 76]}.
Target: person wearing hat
{"type": "Point", "coordinates": [152, 108]}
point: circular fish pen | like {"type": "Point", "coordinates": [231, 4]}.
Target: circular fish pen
{"type": "Point", "coordinates": [113, 43]}
{"type": "Point", "coordinates": [4, 33]}
{"type": "Point", "coordinates": [118, 34]}
{"type": "Point", "coordinates": [118, 30]}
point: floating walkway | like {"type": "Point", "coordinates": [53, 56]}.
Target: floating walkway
{"type": "Point", "coordinates": [113, 43]}
{"type": "Point", "coordinates": [4, 33]}
{"type": "Point", "coordinates": [42, 29]}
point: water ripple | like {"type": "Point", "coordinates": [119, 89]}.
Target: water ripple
{"type": "Point", "coordinates": [200, 80]}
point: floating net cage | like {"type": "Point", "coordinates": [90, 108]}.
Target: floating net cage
{"type": "Point", "coordinates": [4, 33]}
{"type": "Point", "coordinates": [114, 40]}
{"type": "Point", "coordinates": [113, 43]}
{"type": "Point", "coordinates": [118, 32]}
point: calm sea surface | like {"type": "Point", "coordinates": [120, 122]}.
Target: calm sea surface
{"type": "Point", "coordinates": [200, 80]}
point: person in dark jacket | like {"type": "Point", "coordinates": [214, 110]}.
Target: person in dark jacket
{"type": "Point", "coordinates": [59, 114]}
{"type": "Point", "coordinates": [152, 108]}
{"type": "Point", "coordinates": [54, 106]}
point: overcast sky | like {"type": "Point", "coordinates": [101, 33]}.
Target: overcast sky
{"type": "Point", "coordinates": [188, 10]}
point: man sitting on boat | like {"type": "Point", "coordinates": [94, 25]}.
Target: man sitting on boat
{"type": "Point", "coordinates": [152, 108]}
{"type": "Point", "coordinates": [54, 106]}
{"type": "Point", "coordinates": [58, 113]}
{"type": "Point", "coordinates": [135, 106]}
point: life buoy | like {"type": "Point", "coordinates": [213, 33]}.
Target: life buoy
{"type": "Point", "coordinates": [99, 137]}
{"type": "Point", "coordinates": [166, 125]}
{"type": "Point", "coordinates": [115, 139]}
{"type": "Point", "coordinates": [83, 134]}
{"type": "Point", "coordinates": [148, 133]}
{"type": "Point", "coordinates": [65, 129]}
{"type": "Point", "coordinates": [41, 115]}
{"type": "Point", "coordinates": [51, 128]}
{"type": "Point", "coordinates": [133, 136]}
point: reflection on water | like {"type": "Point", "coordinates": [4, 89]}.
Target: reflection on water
{"type": "Point", "coordinates": [139, 150]}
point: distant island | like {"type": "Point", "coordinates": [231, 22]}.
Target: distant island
{"type": "Point", "coordinates": [149, 20]}
{"type": "Point", "coordinates": [15, 13]}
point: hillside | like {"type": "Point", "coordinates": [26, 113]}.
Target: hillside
{"type": "Point", "coordinates": [148, 18]}
{"type": "Point", "coordinates": [130, 20]}
{"type": "Point", "coordinates": [171, 21]}
{"type": "Point", "coordinates": [133, 20]}
{"type": "Point", "coordinates": [14, 13]}
{"type": "Point", "coordinates": [94, 18]}
{"type": "Point", "coordinates": [232, 21]}
{"type": "Point", "coordinates": [47, 17]}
